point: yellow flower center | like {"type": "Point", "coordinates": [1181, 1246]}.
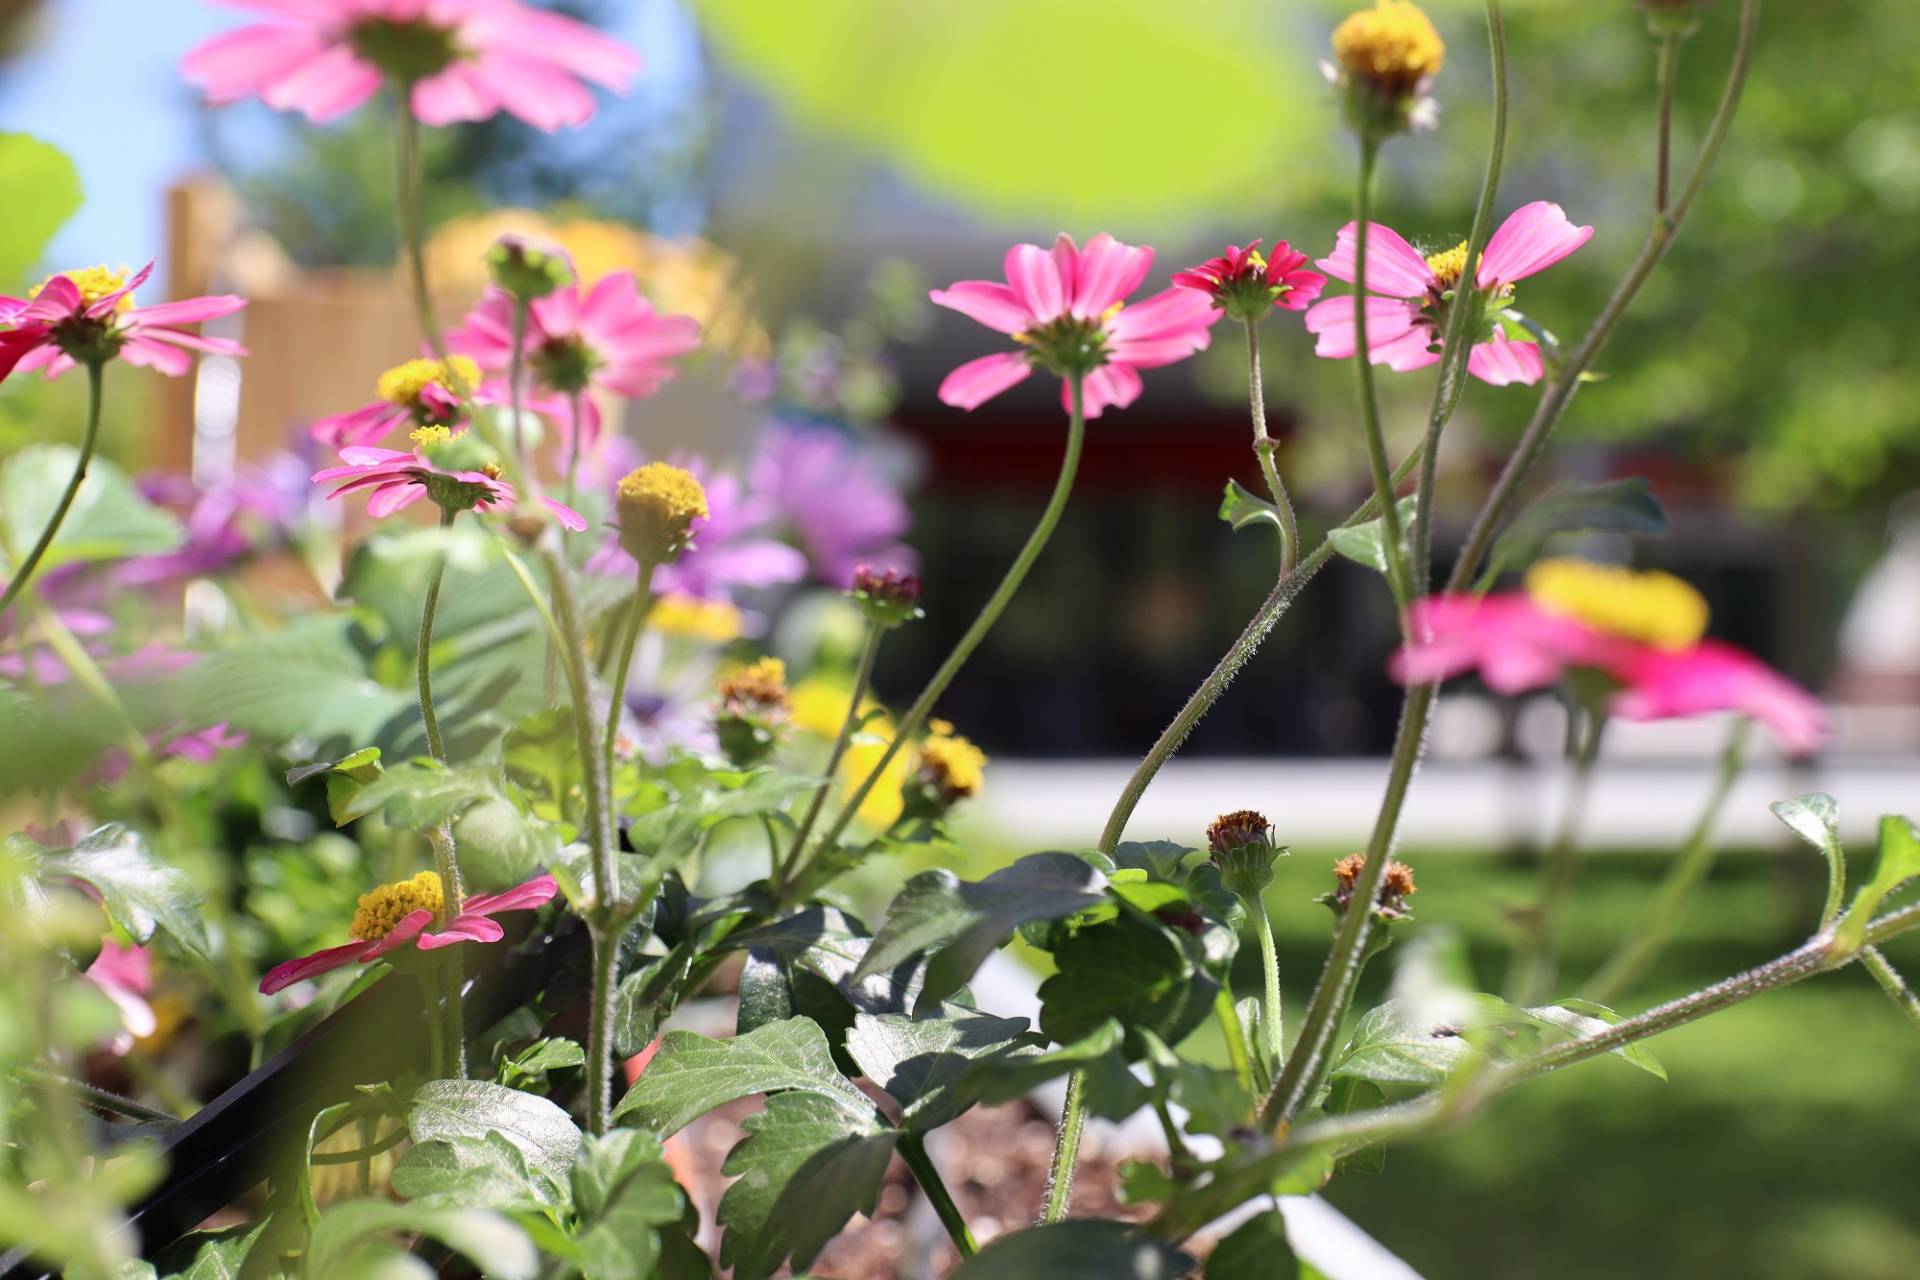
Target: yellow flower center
{"type": "Point", "coordinates": [660, 486]}
{"type": "Point", "coordinates": [1393, 46]}
{"type": "Point", "coordinates": [1448, 267]}
{"type": "Point", "coordinates": [404, 383]}
{"type": "Point", "coordinates": [713, 621]}
{"type": "Point", "coordinates": [382, 909]}
{"type": "Point", "coordinates": [956, 764]}
{"type": "Point", "coordinates": [94, 283]}
{"type": "Point", "coordinates": [761, 685]}
{"type": "Point", "coordinates": [426, 436]}
{"type": "Point", "coordinates": [1649, 606]}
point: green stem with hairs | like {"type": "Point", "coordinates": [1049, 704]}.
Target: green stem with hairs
{"type": "Point", "coordinates": [629, 636]}
{"type": "Point", "coordinates": [24, 573]}
{"type": "Point", "coordinates": [1289, 526]}
{"type": "Point", "coordinates": [1892, 983]}
{"type": "Point", "coordinates": [96, 1097]}
{"type": "Point", "coordinates": [989, 614]}
{"type": "Point", "coordinates": [516, 363]}
{"type": "Point", "coordinates": [913, 1152]}
{"type": "Point", "coordinates": [446, 859]}
{"type": "Point", "coordinates": [1394, 547]}
{"type": "Point", "coordinates": [1683, 877]}
{"type": "Point", "coordinates": [862, 679]}
{"type": "Point", "coordinates": [1270, 1023]}
{"type": "Point", "coordinates": [1066, 1151]}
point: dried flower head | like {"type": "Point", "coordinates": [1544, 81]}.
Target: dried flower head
{"type": "Point", "coordinates": [657, 505]}
{"type": "Point", "coordinates": [1241, 845]}
{"type": "Point", "coordinates": [1396, 886]}
{"type": "Point", "coordinates": [754, 708]}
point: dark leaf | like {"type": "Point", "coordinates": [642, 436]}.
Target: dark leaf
{"type": "Point", "coordinates": [692, 1074]}
{"type": "Point", "coordinates": [1616, 506]}
{"type": "Point", "coordinates": [1089, 1247]}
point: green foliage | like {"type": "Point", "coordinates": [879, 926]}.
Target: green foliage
{"type": "Point", "coordinates": [1241, 507]}
{"type": "Point", "coordinates": [530, 1065]}
{"type": "Point", "coordinates": [140, 893]}
{"type": "Point", "coordinates": [924, 1063]}
{"type": "Point", "coordinates": [623, 1194]}
{"type": "Point", "coordinates": [473, 1109]}
{"type": "Point", "coordinates": [43, 191]}
{"type": "Point", "coordinates": [692, 1074]}
{"type": "Point", "coordinates": [1255, 1250]}
{"type": "Point", "coordinates": [109, 520]}
{"type": "Point", "coordinates": [1140, 973]}
{"type": "Point", "coordinates": [1617, 506]}
{"type": "Point", "coordinates": [347, 1239]}
{"type": "Point", "coordinates": [1366, 543]}
{"type": "Point", "coordinates": [1899, 862]}
{"type": "Point", "coordinates": [1085, 1248]}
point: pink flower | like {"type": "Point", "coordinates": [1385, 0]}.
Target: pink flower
{"type": "Point", "coordinates": [89, 315]}
{"type": "Point", "coordinates": [608, 338]}
{"type": "Point", "coordinates": [1711, 676]}
{"type": "Point", "coordinates": [400, 478]}
{"type": "Point", "coordinates": [125, 975]}
{"type": "Point", "coordinates": [461, 59]}
{"type": "Point", "coordinates": [1247, 283]}
{"type": "Point", "coordinates": [1065, 307]}
{"type": "Point", "coordinates": [1409, 295]}
{"type": "Point", "coordinates": [473, 923]}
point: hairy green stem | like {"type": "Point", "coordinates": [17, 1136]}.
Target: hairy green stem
{"type": "Point", "coordinates": [1271, 1027]}
{"type": "Point", "coordinates": [629, 635]}
{"type": "Point", "coordinates": [96, 1097]}
{"type": "Point", "coordinates": [412, 228]}
{"type": "Point", "coordinates": [1683, 878]}
{"type": "Point", "coordinates": [989, 614]}
{"type": "Point", "coordinates": [1289, 526]}
{"type": "Point", "coordinates": [1892, 983]}
{"type": "Point", "coordinates": [1455, 349]}
{"type": "Point", "coordinates": [446, 859]}
{"type": "Point", "coordinates": [1567, 378]}
{"type": "Point", "coordinates": [1395, 549]}
{"type": "Point", "coordinates": [1536, 965]}
{"type": "Point", "coordinates": [913, 1151]}
{"type": "Point", "coordinates": [423, 651]}
{"type": "Point", "coordinates": [1066, 1151]}
{"type": "Point", "coordinates": [862, 679]}
{"type": "Point", "coordinates": [23, 574]}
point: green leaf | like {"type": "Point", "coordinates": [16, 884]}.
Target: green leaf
{"type": "Point", "coordinates": [1160, 859]}
{"type": "Point", "coordinates": [1396, 1043]}
{"type": "Point", "coordinates": [420, 794]}
{"type": "Point", "coordinates": [1815, 818]}
{"type": "Point", "coordinates": [1366, 543]}
{"type": "Point", "coordinates": [1087, 1247]}
{"type": "Point", "coordinates": [1899, 862]}
{"type": "Point", "coordinates": [1616, 506]}
{"type": "Point", "coordinates": [1240, 507]}
{"type": "Point", "coordinates": [1018, 1072]}
{"type": "Point", "coordinates": [140, 893]}
{"type": "Point", "coordinates": [109, 520]}
{"type": "Point", "coordinates": [1257, 1250]}
{"type": "Point", "coordinates": [43, 191]}
{"type": "Point", "coordinates": [623, 1192]}
{"type": "Point", "coordinates": [920, 1062]}
{"type": "Point", "coordinates": [475, 1108]}
{"type": "Point", "coordinates": [831, 945]}
{"type": "Point", "coordinates": [531, 1064]}
{"type": "Point", "coordinates": [1346, 1096]}
{"type": "Point", "coordinates": [692, 1074]}
{"type": "Point", "coordinates": [1127, 970]}
{"type": "Point", "coordinates": [487, 1173]}
{"type": "Point", "coordinates": [1214, 1101]}
{"type": "Point", "coordinates": [340, 1240]}
{"type": "Point", "coordinates": [307, 680]}
{"type": "Point", "coordinates": [501, 845]}
{"type": "Point", "coordinates": [806, 1165]}
{"type": "Point", "coordinates": [961, 922]}
{"type": "Point", "coordinates": [1579, 1017]}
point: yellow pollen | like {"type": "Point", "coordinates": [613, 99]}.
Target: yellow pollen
{"type": "Point", "coordinates": [403, 384]}
{"type": "Point", "coordinates": [1112, 311]}
{"type": "Point", "coordinates": [663, 487]}
{"type": "Point", "coordinates": [1649, 606]}
{"type": "Point", "coordinates": [956, 764]}
{"type": "Point", "coordinates": [94, 283]}
{"type": "Point", "coordinates": [1393, 46]}
{"type": "Point", "coordinates": [762, 684]}
{"type": "Point", "coordinates": [1257, 260]}
{"type": "Point", "coordinates": [714, 621]}
{"type": "Point", "coordinates": [1448, 267]}
{"type": "Point", "coordinates": [1024, 338]}
{"type": "Point", "coordinates": [382, 909]}
{"type": "Point", "coordinates": [426, 436]}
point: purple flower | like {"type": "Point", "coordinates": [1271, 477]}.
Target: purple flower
{"type": "Point", "coordinates": [260, 506]}
{"type": "Point", "coordinates": [835, 502]}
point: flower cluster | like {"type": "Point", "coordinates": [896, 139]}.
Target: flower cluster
{"type": "Point", "coordinates": [89, 317]}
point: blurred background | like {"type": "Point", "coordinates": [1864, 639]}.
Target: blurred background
{"type": "Point", "coordinates": [797, 175]}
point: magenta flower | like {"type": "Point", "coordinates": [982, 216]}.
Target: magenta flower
{"type": "Point", "coordinates": [831, 497]}
{"type": "Point", "coordinates": [608, 338]}
{"type": "Point", "coordinates": [89, 315]}
{"type": "Point", "coordinates": [395, 914]}
{"type": "Point", "coordinates": [460, 59]}
{"type": "Point", "coordinates": [125, 975]}
{"type": "Point", "coordinates": [1409, 296]}
{"type": "Point", "coordinates": [400, 478]}
{"type": "Point", "coordinates": [1066, 308]}
{"type": "Point", "coordinates": [1639, 631]}
{"type": "Point", "coordinates": [1248, 283]}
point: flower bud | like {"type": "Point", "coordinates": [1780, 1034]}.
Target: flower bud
{"type": "Point", "coordinates": [1396, 886]}
{"type": "Point", "coordinates": [1672, 18]}
{"type": "Point", "coordinates": [754, 707]}
{"type": "Point", "coordinates": [1241, 845]}
{"type": "Point", "coordinates": [657, 505]}
{"type": "Point", "coordinates": [950, 769]}
{"type": "Point", "coordinates": [1386, 59]}
{"type": "Point", "coordinates": [888, 597]}
{"type": "Point", "coordinates": [528, 269]}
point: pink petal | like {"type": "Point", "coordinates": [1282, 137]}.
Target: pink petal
{"type": "Point", "coordinates": [564, 42]}
{"type": "Point", "coordinates": [993, 305]}
{"type": "Point", "coordinates": [1116, 385]}
{"type": "Point", "coordinates": [150, 354]}
{"type": "Point", "coordinates": [978, 381]}
{"type": "Point", "coordinates": [1388, 320]}
{"type": "Point", "coordinates": [406, 931]}
{"type": "Point", "coordinates": [236, 63]}
{"type": "Point", "coordinates": [1394, 267]}
{"type": "Point", "coordinates": [1108, 271]}
{"type": "Point", "coordinates": [362, 426]}
{"type": "Point", "coordinates": [188, 310]}
{"type": "Point", "coordinates": [1504, 361]}
{"type": "Point", "coordinates": [325, 87]}
{"type": "Point", "coordinates": [105, 305]}
{"type": "Point", "coordinates": [1171, 313]}
{"type": "Point", "coordinates": [1711, 676]}
{"type": "Point", "coordinates": [522, 897]}
{"type": "Point", "coordinates": [17, 344]}
{"type": "Point", "coordinates": [539, 93]}
{"type": "Point", "coordinates": [397, 496]}
{"type": "Point", "coordinates": [1532, 239]}
{"type": "Point", "coordinates": [282, 976]}
{"type": "Point", "coordinates": [1034, 276]}
{"type": "Point", "coordinates": [453, 96]}
{"type": "Point", "coordinates": [567, 516]}
{"type": "Point", "coordinates": [58, 299]}
{"type": "Point", "coordinates": [1415, 349]}
{"type": "Point", "coordinates": [463, 928]}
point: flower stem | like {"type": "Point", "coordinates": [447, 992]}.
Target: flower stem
{"type": "Point", "coordinates": [1663, 153]}
{"type": "Point", "coordinates": [1284, 592]}
{"type": "Point", "coordinates": [1561, 387]}
{"type": "Point", "coordinates": [913, 1150]}
{"type": "Point", "coordinates": [98, 1098]}
{"type": "Point", "coordinates": [516, 359]}
{"type": "Point", "coordinates": [1066, 1151]}
{"type": "Point", "coordinates": [1534, 969]}
{"type": "Point", "coordinates": [606, 960]}
{"type": "Point", "coordinates": [573, 445]}
{"type": "Point", "coordinates": [1270, 1024]}
{"type": "Point", "coordinates": [406, 156]}
{"type": "Point", "coordinates": [629, 635]}
{"type": "Point", "coordinates": [862, 678]}
{"type": "Point", "coordinates": [1630, 960]}
{"type": "Point", "coordinates": [24, 573]}
{"type": "Point", "coordinates": [1395, 548]}
{"type": "Point", "coordinates": [1892, 983]}
{"type": "Point", "coordinates": [423, 651]}
{"type": "Point", "coordinates": [1455, 349]}
{"type": "Point", "coordinates": [989, 614]}
{"type": "Point", "coordinates": [453, 1058]}
{"type": "Point", "coordinates": [1289, 526]}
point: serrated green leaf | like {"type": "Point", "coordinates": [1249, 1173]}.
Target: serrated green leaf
{"type": "Point", "coordinates": [1089, 1247]}
{"type": "Point", "coordinates": [43, 191]}
{"type": "Point", "coordinates": [1394, 1043]}
{"type": "Point", "coordinates": [1899, 862]}
{"type": "Point", "coordinates": [502, 846]}
{"type": "Point", "coordinates": [959, 923]}
{"type": "Point", "coordinates": [1616, 506]}
{"type": "Point", "coordinates": [1128, 970]}
{"type": "Point", "coordinates": [139, 892]}
{"type": "Point", "coordinates": [108, 520]}
{"type": "Point", "coordinates": [1346, 1096]}
{"type": "Point", "coordinates": [475, 1108]}
{"type": "Point", "coordinates": [307, 680]}
{"type": "Point", "coordinates": [420, 794]}
{"type": "Point", "coordinates": [531, 1064]}
{"type": "Point", "coordinates": [214, 1255]}
{"type": "Point", "coordinates": [692, 1074]}
{"type": "Point", "coordinates": [1019, 1071]}
{"type": "Point", "coordinates": [623, 1192]}
{"type": "Point", "coordinates": [488, 1172]}
{"type": "Point", "coordinates": [339, 1239]}
{"type": "Point", "coordinates": [1366, 543]}
{"type": "Point", "coordinates": [921, 1062]}
{"type": "Point", "coordinates": [806, 1165]}
{"type": "Point", "coordinates": [1160, 859]}
{"type": "Point", "coordinates": [1257, 1249]}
